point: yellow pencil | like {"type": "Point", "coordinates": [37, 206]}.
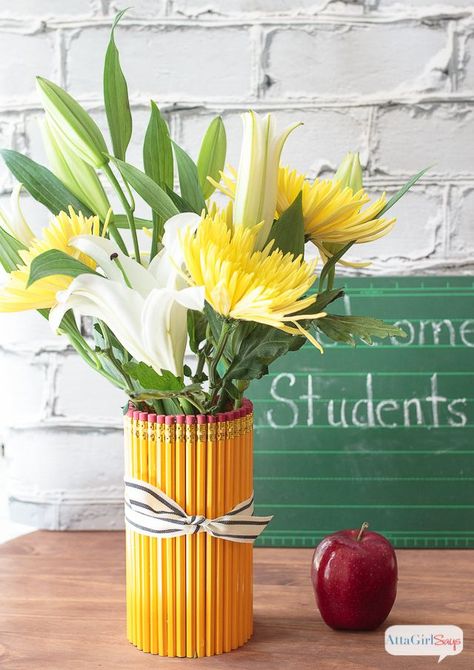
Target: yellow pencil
{"type": "Point", "coordinates": [170, 542]}
{"type": "Point", "coordinates": [249, 461]}
{"type": "Point", "coordinates": [211, 513]}
{"type": "Point", "coordinates": [239, 585]}
{"type": "Point", "coordinates": [220, 544]}
{"type": "Point", "coordinates": [229, 600]}
{"type": "Point", "coordinates": [136, 536]}
{"type": "Point", "coordinates": [153, 540]}
{"type": "Point", "coordinates": [128, 537]}
{"type": "Point", "coordinates": [180, 541]}
{"type": "Point", "coordinates": [190, 539]}
{"type": "Point", "coordinates": [201, 461]}
{"type": "Point", "coordinates": [144, 539]}
{"type": "Point", "coordinates": [161, 558]}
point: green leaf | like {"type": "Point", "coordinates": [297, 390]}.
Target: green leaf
{"type": "Point", "coordinates": [211, 158]}
{"type": "Point", "coordinates": [150, 380]}
{"type": "Point", "coordinates": [117, 106]}
{"type": "Point", "coordinates": [323, 300]}
{"type": "Point", "coordinates": [180, 202]}
{"type": "Point", "coordinates": [288, 230]}
{"type": "Point", "coordinates": [395, 198]}
{"type": "Point", "coordinates": [189, 180]}
{"type": "Point", "coordinates": [197, 324]}
{"type": "Point", "coordinates": [9, 248]}
{"type": "Point", "coordinates": [42, 184]}
{"type": "Point", "coordinates": [121, 221]}
{"type": "Point", "coordinates": [255, 347]}
{"type": "Point", "coordinates": [348, 328]}
{"type": "Point", "coordinates": [55, 262]}
{"type": "Point", "coordinates": [157, 150]}
{"type": "Point", "coordinates": [151, 193]}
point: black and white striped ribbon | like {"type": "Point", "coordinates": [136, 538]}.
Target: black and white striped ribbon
{"type": "Point", "coordinates": [149, 511]}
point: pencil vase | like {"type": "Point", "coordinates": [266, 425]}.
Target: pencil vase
{"type": "Point", "coordinates": [190, 596]}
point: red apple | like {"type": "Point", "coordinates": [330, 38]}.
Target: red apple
{"type": "Point", "coordinates": [354, 575]}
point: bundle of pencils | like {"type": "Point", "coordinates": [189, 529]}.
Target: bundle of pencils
{"type": "Point", "coordinates": [190, 595]}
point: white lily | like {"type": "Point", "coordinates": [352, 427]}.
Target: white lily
{"type": "Point", "coordinates": [257, 175]}
{"type": "Point", "coordinates": [14, 222]}
{"type": "Point", "coordinates": [146, 308]}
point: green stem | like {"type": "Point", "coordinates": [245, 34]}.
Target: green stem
{"type": "Point", "coordinates": [127, 209]}
{"type": "Point", "coordinates": [223, 337]}
{"type": "Point", "coordinates": [109, 352]}
{"type": "Point", "coordinates": [331, 276]}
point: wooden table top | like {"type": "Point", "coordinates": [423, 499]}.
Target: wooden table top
{"type": "Point", "coordinates": [62, 607]}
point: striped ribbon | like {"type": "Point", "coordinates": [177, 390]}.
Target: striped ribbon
{"type": "Point", "coordinates": [151, 512]}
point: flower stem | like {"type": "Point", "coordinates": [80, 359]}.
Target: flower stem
{"type": "Point", "coordinates": [127, 209]}
{"type": "Point", "coordinates": [220, 346]}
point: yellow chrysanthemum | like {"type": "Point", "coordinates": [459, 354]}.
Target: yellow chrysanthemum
{"type": "Point", "coordinates": [332, 214]}
{"type": "Point", "coordinates": [240, 283]}
{"type": "Point", "coordinates": [14, 296]}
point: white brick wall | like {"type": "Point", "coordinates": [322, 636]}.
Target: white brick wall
{"type": "Point", "coordinates": [393, 79]}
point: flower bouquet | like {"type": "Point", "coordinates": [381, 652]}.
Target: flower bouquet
{"type": "Point", "coordinates": [223, 267]}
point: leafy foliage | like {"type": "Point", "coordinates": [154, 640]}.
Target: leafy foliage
{"type": "Point", "coordinates": [55, 262]}
{"type": "Point", "coordinates": [42, 184]}
{"type": "Point", "coordinates": [189, 180]}
{"type": "Point", "coordinates": [347, 328]}
{"type": "Point", "coordinates": [9, 248]}
{"type": "Point", "coordinates": [255, 347]}
{"type": "Point", "coordinates": [211, 158]}
{"type": "Point", "coordinates": [149, 379]}
{"type": "Point", "coordinates": [288, 230]}
{"type": "Point", "coordinates": [117, 106]}
{"type": "Point", "coordinates": [149, 190]}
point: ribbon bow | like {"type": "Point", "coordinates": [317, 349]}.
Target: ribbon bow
{"type": "Point", "coordinates": [151, 512]}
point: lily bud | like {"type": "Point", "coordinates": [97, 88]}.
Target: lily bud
{"type": "Point", "coordinates": [349, 172]}
{"type": "Point", "coordinates": [79, 177]}
{"type": "Point", "coordinates": [257, 176]}
{"type": "Point", "coordinates": [74, 124]}
{"type": "Point", "coordinates": [14, 222]}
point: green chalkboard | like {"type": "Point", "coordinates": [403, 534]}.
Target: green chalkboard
{"type": "Point", "coordinates": [380, 433]}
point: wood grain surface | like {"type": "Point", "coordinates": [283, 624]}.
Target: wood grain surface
{"type": "Point", "coordinates": [62, 607]}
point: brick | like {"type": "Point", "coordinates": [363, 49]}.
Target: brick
{"type": "Point", "coordinates": [7, 141]}
{"type": "Point", "coordinates": [435, 135]}
{"type": "Point", "coordinates": [26, 331]}
{"type": "Point", "coordinates": [203, 8]}
{"type": "Point", "coordinates": [26, 56]}
{"type": "Point", "coordinates": [83, 394]}
{"type": "Point", "coordinates": [462, 209]}
{"type": "Point", "coordinates": [418, 232]}
{"type": "Point", "coordinates": [402, 6]}
{"type": "Point", "coordinates": [23, 388]}
{"type": "Point", "coordinates": [46, 9]}
{"type": "Point", "coordinates": [59, 475]}
{"type": "Point", "coordinates": [141, 8]}
{"type": "Point", "coordinates": [161, 63]}
{"type": "Point", "coordinates": [350, 61]}
{"type": "Point", "coordinates": [467, 66]}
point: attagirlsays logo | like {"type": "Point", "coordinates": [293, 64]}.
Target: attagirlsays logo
{"type": "Point", "coordinates": [426, 640]}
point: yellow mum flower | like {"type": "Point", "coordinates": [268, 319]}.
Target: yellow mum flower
{"type": "Point", "coordinates": [240, 283]}
{"type": "Point", "coordinates": [14, 296]}
{"type": "Point", "coordinates": [332, 213]}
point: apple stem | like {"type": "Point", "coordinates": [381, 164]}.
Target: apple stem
{"type": "Point", "coordinates": [364, 526]}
